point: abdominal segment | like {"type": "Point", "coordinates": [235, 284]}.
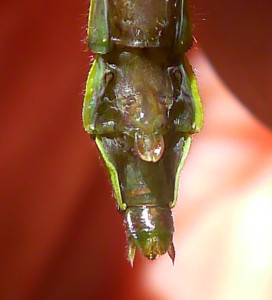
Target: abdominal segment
{"type": "Point", "coordinates": [143, 182]}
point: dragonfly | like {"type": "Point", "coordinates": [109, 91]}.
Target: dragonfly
{"type": "Point", "coordinates": [141, 107]}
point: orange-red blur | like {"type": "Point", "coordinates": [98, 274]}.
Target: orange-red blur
{"type": "Point", "coordinates": [61, 236]}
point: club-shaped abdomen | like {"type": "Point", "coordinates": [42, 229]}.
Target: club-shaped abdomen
{"type": "Point", "coordinates": [150, 229]}
{"type": "Point", "coordinates": [141, 106]}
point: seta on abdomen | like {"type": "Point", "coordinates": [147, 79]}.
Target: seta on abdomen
{"type": "Point", "coordinates": [141, 106]}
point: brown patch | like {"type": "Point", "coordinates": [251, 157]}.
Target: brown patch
{"type": "Point", "coordinates": [138, 192]}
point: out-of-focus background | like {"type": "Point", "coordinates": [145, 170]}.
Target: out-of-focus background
{"type": "Point", "coordinates": [60, 234]}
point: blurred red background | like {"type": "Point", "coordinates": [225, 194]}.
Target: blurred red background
{"type": "Point", "coordinates": [60, 234]}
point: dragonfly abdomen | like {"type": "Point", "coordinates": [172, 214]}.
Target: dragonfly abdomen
{"type": "Point", "coordinates": [141, 106]}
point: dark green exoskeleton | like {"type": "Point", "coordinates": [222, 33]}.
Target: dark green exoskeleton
{"type": "Point", "coordinates": [141, 107]}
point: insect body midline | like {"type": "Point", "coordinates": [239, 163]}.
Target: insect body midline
{"type": "Point", "coordinates": [141, 107]}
